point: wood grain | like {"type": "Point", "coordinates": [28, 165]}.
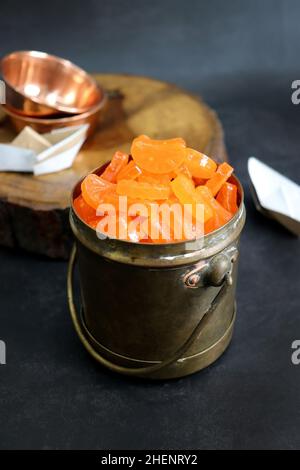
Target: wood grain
{"type": "Point", "coordinates": [34, 209]}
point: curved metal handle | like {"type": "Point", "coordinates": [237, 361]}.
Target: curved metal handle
{"type": "Point", "coordinates": [214, 272]}
{"type": "Point", "coordinates": [140, 371]}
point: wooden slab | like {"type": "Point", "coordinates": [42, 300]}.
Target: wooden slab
{"type": "Point", "coordinates": [34, 209]}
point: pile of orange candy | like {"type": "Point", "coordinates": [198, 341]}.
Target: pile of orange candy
{"type": "Point", "coordinates": [160, 171]}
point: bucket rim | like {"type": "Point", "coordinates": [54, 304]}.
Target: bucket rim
{"type": "Point", "coordinates": [165, 253]}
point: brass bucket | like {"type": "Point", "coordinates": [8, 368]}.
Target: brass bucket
{"type": "Point", "coordinates": [158, 311]}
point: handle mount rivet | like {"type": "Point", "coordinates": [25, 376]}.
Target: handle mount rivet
{"type": "Point", "coordinates": [193, 280]}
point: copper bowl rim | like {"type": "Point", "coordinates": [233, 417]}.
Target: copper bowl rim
{"type": "Point", "coordinates": [67, 63]}
{"type": "Point", "coordinates": [56, 120]}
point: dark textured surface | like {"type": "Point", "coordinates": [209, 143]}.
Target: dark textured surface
{"type": "Point", "coordinates": [240, 56]}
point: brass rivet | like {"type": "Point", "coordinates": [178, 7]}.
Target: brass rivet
{"type": "Point", "coordinates": [193, 280]}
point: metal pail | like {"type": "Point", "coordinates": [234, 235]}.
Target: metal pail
{"type": "Point", "coordinates": [155, 310]}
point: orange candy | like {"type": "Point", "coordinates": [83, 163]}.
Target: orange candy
{"type": "Point", "coordinates": [199, 181]}
{"type": "Point", "coordinates": [134, 189]}
{"type": "Point", "coordinates": [220, 215]}
{"type": "Point", "coordinates": [130, 172]}
{"type": "Point", "coordinates": [116, 226]}
{"type": "Point", "coordinates": [161, 172]}
{"type": "Point", "coordinates": [222, 174]}
{"type": "Point", "coordinates": [199, 164]}
{"type": "Point", "coordinates": [227, 197]}
{"type": "Point", "coordinates": [93, 189]}
{"type": "Point", "coordinates": [158, 156]}
{"type": "Point", "coordinates": [93, 223]}
{"type": "Point", "coordinates": [164, 179]}
{"type": "Point", "coordinates": [84, 211]}
{"type": "Point", "coordinates": [184, 190]}
{"type": "Point", "coordinates": [184, 170]}
{"type": "Point", "coordinates": [154, 178]}
{"type": "Point", "coordinates": [160, 232]}
{"type": "Point", "coordinates": [118, 162]}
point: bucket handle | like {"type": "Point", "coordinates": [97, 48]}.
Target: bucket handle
{"type": "Point", "coordinates": [139, 371]}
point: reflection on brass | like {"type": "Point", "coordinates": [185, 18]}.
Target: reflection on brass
{"type": "Point", "coordinates": [140, 315]}
{"type": "Point", "coordinates": [43, 85]}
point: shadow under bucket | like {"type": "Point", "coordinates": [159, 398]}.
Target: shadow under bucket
{"type": "Point", "coordinates": [159, 311]}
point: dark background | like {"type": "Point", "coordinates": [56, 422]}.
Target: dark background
{"type": "Point", "coordinates": [241, 57]}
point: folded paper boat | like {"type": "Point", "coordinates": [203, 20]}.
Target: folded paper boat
{"type": "Point", "coordinates": [275, 195]}
{"type": "Point", "coordinates": [41, 154]}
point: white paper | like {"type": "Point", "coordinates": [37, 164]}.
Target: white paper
{"type": "Point", "coordinates": [275, 192]}
{"type": "Point", "coordinates": [46, 153]}
{"type": "Point", "coordinates": [59, 162]}
{"type": "Point", "coordinates": [13, 158]}
{"type": "Point", "coordinates": [62, 140]}
{"type": "Point", "coordinates": [30, 139]}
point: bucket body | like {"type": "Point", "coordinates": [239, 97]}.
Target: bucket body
{"type": "Point", "coordinates": [142, 303]}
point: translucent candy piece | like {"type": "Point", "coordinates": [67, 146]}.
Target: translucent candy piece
{"type": "Point", "coordinates": [222, 174]}
{"type": "Point", "coordinates": [227, 197]}
{"type": "Point", "coordinates": [158, 156]}
{"type": "Point", "coordinates": [93, 188]}
{"type": "Point", "coordinates": [199, 164]}
{"type": "Point", "coordinates": [134, 189]}
{"type": "Point", "coordinates": [118, 162]}
{"type": "Point", "coordinates": [184, 190]}
{"type": "Point", "coordinates": [220, 215]}
{"type": "Point", "coordinates": [130, 172]}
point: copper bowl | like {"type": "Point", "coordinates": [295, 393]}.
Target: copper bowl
{"type": "Point", "coordinates": [42, 125]}
{"type": "Point", "coordinates": [39, 84]}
